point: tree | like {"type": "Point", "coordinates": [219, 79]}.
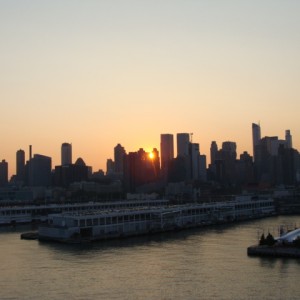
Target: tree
{"type": "Point", "coordinates": [262, 240]}
{"type": "Point", "coordinates": [270, 241]}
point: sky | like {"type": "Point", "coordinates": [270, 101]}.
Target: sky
{"type": "Point", "coordinates": [97, 73]}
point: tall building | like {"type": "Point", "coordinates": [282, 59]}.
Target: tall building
{"type": "Point", "coordinates": [66, 154]}
{"type": "Point", "coordinates": [213, 152]}
{"type": "Point", "coordinates": [119, 154]}
{"type": "Point", "coordinates": [140, 169]}
{"type": "Point", "coordinates": [110, 166]}
{"type": "Point", "coordinates": [183, 141]}
{"type": "Point", "coordinates": [229, 149]}
{"type": "Point", "coordinates": [166, 152]}
{"type": "Point", "coordinates": [195, 161]}
{"type": "Point", "coordinates": [67, 174]}
{"type": "Point", "coordinates": [20, 165]}
{"type": "Point", "coordinates": [256, 138]}
{"type": "Point", "coordinates": [40, 171]}
{"type": "Point", "coordinates": [3, 173]}
{"type": "Point", "coordinates": [288, 139]}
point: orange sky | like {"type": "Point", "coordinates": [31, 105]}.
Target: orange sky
{"type": "Point", "coordinates": [98, 73]}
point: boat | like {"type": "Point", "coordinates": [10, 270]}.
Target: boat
{"type": "Point", "coordinates": [77, 227]}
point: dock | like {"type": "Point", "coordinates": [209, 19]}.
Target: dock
{"type": "Point", "coordinates": [274, 251]}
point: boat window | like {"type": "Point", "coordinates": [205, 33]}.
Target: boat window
{"type": "Point", "coordinates": [108, 220]}
{"type": "Point", "coordinates": [82, 223]}
{"type": "Point", "coordinates": [102, 221]}
{"type": "Point", "coordinates": [95, 221]}
{"type": "Point", "coordinates": [120, 219]}
{"type": "Point", "coordinates": [89, 222]}
{"type": "Point", "coordinates": [114, 220]}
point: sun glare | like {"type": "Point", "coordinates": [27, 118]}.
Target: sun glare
{"type": "Point", "coordinates": [151, 155]}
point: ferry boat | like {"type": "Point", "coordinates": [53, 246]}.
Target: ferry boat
{"type": "Point", "coordinates": [39, 213]}
{"type": "Point", "coordinates": [76, 227]}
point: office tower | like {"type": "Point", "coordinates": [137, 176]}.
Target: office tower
{"type": "Point", "coordinates": [213, 152]}
{"type": "Point", "coordinates": [20, 165]}
{"type": "Point", "coordinates": [166, 152]}
{"type": "Point", "coordinates": [3, 173]}
{"type": "Point", "coordinates": [288, 139]}
{"type": "Point", "coordinates": [183, 140]}
{"type": "Point", "coordinates": [119, 153]}
{"type": "Point", "coordinates": [256, 137]}
{"type": "Point", "coordinates": [110, 166]}
{"type": "Point", "coordinates": [67, 174]}
{"type": "Point", "coordinates": [155, 162]}
{"type": "Point", "coordinates": [202, 168]}
{"type": "Point", "coordinates": [140, 169]}
{"type": "Point", "coordinates": [226, 163]}
{"type": "Point", "coordinates": [229, 149]}
{"type": "Point", "coordinates": [270, 145]}
{"type": "Point", "coordinates": [40, 171]}
{"type": "Point", "coordinates": [66, 154]}
{"type": "Point", "coordinates": [30, 152]}
{"type": "Point", "coordinates": [194, 161]}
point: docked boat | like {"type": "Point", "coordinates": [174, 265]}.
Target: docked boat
{"type": "Point", "coordinates": [105, 224]}
{"type": "Point", "coordinates": [39, 213]}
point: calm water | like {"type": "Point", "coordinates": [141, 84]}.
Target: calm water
{"type": "Point", "coordinates": [206, 263]}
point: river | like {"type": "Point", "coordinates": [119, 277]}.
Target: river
{"type": "Point", "coordinates": [206, 263]}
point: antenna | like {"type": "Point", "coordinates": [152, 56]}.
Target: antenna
{"type": "Point", "coordinates": [191, 135]}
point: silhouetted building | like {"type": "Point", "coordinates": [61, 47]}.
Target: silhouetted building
{"type": "Point", "coordinates": [166, 152]}
{"type": "Point", "coordinates": [39, 171]}
{"type": "Point", "coordinates": [3, 173]}
{"type": "Point", "coordinates": [288, 139]}
{"type": "Point", "coordinates": [202, 168]}
{"type": "Point", "coordinates": [245, 169]}
{"type": "Point", "coordinates": [256, 137]}
{"type": "Point", "coordinates": [213, 152]}
{"type": "Point", "coordinates": [225, 163]}
{"type": "Point", "coordinates": [183, 141]}
{"type": "Point", "coordinates": [177, 170]}
{"type": "Point", "coordinates": [110, 166]}
{"type": "Point", "coordinates": [194, 153]}
{"type": "Point", "coordinates": [67, 174]}
{"type": "Point", "coordinates": [66, 154]}
{"type": "Point", "coordinates": [20, 165]}
{"type": "Point", "coordinates": [119, 154]}
{"type": "Point", "coordinates": [140, 169]}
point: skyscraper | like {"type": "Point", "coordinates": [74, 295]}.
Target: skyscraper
{"type": "Point", "coordinates": [40, 170]}
{"type": "Point", "coordinates": [256, 137]}
{"type": "Point", "coordinates": [20, 165]}
{"type": "Point", "coordinates": [183, 140]}
{"type": "Point", "coordinates": [195, 161]}
{"type": "Point", "coordinates": [3, 173]}
{"type": "Point", "coordinates": [166, 151]}
{"type": "Point", "coordinates": [288, 139]}
{"type": "Point", "coordinates": [119, 154]}
{"type": "Point", "coordinates": [213, 152]}
{"type": "Point", "coordinates": [66, 154]}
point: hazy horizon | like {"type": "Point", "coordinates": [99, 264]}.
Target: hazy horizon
{"type": "Point", "coordinates": [99, 73]}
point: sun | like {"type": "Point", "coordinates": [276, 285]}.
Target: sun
{"type": "Point", "coordinates": [151, 155]}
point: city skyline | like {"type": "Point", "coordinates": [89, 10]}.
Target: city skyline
{"type": "Point", "coordinates": [179, 144]}
{"type": "Point", "coordinates": [96, 74]}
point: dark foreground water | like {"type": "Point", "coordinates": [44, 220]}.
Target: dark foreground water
{"type": "Point", "coordinates": [209, 263]}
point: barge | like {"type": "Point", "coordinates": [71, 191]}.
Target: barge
{"type": "Point", "coordinates": [77, 227]}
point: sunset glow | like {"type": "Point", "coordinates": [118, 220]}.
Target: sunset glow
{"type": "Point", "coordinates": [86, 72]}
{"type": "Point", "coordinates": [151, 155]}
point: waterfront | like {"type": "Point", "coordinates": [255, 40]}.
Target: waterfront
{"type": "Point", "coordinates": [208, 263]}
